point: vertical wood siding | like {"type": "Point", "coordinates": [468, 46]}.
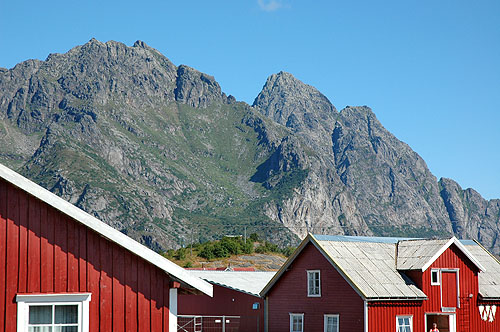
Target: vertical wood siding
{"type": "Point", "coordinates": [44, 251]}
{"type": "Point", "coordinates": [289, 295]}
{"type": "Point", "coordinates": [382, 315]}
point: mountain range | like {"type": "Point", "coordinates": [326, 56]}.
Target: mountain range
{"type": "Point", "coordinates": [159, 152]}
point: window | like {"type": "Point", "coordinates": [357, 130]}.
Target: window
{"type": "Point", "coordinates": [331, 323]}
{"type": "Point", "coordinates": [296, 322]}
{"type": "Point", "coordinates": [313, 283]}
{"type": "Point", "coordinates": [53, 312]}
{"type": "Point", "coordinates": [404, 324]}
{"type": "Point", "coordinates": [435, 277]}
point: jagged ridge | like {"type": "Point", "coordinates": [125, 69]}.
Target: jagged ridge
{"type": "Point", "coordinates": [160, 152]}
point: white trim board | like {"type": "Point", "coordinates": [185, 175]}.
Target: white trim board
{"type": "Point", "coordinates": [461, 247]}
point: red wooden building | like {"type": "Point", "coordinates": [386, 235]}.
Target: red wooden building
{"type": "Point", "coordinates": [63, 270]}
{"type": "Point", "coordinates": [342, 283]}
{"type": "Point", "coordinates": [236, 295]}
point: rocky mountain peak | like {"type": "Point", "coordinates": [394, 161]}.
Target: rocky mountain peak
{"type": "Point", "coordinates": [195, 88]}
{"type": "Point", "coordinates": [141, 44]}
{"type": "Point", "coordinates": [298, 106]}
{"type": "Point", "coordinates": [293, 103]}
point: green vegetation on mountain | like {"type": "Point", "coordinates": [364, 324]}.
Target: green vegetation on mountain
{"type": "Point", "coordinates": [197, 254]}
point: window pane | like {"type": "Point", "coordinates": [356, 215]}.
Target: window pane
{"type": "Point", "coordinates": [39, 329]}
{"type": "Point", "coordinates": [313, 282]}
{"type": "Point", "coordinates": [66, 314]}
{"type": "Point", "coordinates": [40, 314]}
{"type": "Point", "coordinates": [331, 324]}
{"type": "Point", "coordinates": [297, 323]}
{"type": "Point", "coordinates": [66, 329]}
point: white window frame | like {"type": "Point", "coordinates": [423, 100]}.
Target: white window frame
{"type": "Point", "coordinates": [438, 272]}
{"type": "Point", "coordinates": [309, 274]}
{"type": "Point", "coordinates": [325, 320]}
{"type": "Point", "coordinates": [292, 316]}
{"type": "Point", "coordinates": [404, 316]}
{"type": "Point", "coordinates": [24, 301]}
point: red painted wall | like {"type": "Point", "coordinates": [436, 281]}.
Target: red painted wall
{"type": "Point", "coordinates": [289, 295]}
{"type": "Point", "coordinates": [44, 251]}
{"type": "Point", "coordinates": [226, 302]}
{"type": "Point", "coordinates": [382, 315]}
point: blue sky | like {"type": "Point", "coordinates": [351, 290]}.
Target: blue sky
{"type": "Point", "coordinates": [430, 70]}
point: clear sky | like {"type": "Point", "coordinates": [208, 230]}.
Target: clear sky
{"type": "Point", "coordinates": [429, 69]}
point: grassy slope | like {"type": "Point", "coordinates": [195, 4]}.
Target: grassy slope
{"type": "Point", "coordinates": [211, 152]}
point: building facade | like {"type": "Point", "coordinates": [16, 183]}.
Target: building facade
{"type": "Point", "coordinates": [341, 283]}
{"type": "Point", "coordinates": [62, 269]}
{"type": "Point", "coordinates": [236, 295]}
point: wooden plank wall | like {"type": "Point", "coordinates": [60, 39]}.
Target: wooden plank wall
{"type": "Point", "coordinates": [44, 251]}
{"type": "Point", "coordinates": [289, 295]}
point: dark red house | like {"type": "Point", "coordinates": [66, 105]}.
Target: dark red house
{"type": "Point", "coordinates": [236, 296]}
{"type": "Point", "coordinates": [63, 270]}
{"type": "Point", "coordinates": [342, 283]}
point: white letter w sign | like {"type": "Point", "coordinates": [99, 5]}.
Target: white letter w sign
{"type": "Point", "coordinates": [487, 312]}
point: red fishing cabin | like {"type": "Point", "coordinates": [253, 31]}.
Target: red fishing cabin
{"type": "Point", "coordinates": [63, 269]}
{"type": "Point", "coordinates": [344, 283]}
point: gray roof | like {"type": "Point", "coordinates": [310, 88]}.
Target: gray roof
{"type": "Point", "coordinates": [370, 267]}
{"type": "Point", "coordinates": [250, 282]}
{"type": "Point", "coordinates": [489, 279]}
{"type": "Point", "coordinates": [420, 254]}
{"type": "Point", "coordinates": [415, 254]}
{"type": "Point", "coordinates": [371, 239]}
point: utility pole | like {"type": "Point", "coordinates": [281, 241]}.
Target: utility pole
{"type": "Point", "coordinates": [245, 237]}
{"type": "Point", "coordinates": [191, 241]}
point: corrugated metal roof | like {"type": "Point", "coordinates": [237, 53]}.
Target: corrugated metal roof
{"type": "Point", "coordinates": [420, 254]}
{"type": "Point", "coordinates": [371, 267]}
{"type": "Point", "coordinates": [244, 281]}
{"type": "Point", "coordinates": [371, 239]}
{"type": "Point", "coordinates": [489, 279]}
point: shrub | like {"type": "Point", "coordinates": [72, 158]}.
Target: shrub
{"type": "Point", "coordinates": [287, 251]}
{"type": "Point", "coordinates": [169, 253]}
{"type": "Point", "coordinates": [207, 252]}
{"type": "Point", "coordinates": [254, 237]}
{"type": "Point", "coordinates": [247, 248]}
{"type": "Point", "coordinates": [220, 251]}
{"type": "Point", "coordinates": [232, 245]}
{"type": "Point", "coordinates": [267, 247]}
{"type": "Point", "coordinates": [181, 254]}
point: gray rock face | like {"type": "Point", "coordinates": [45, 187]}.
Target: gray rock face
{"type": "Point", "coordinates": [196, 89]}
{"type": "Point", "coordinates": [391, 183]}
{"type": "Point", "coordinates": [379, 185]}
{"type": "Point", "coordinates": [298, 106]}
{"type": "Point", "coordinates": [294, 104]}
{"type": "Point", "coordinates": [160, 153]}
{"type": "Point", "coordinates": [470, 214]}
